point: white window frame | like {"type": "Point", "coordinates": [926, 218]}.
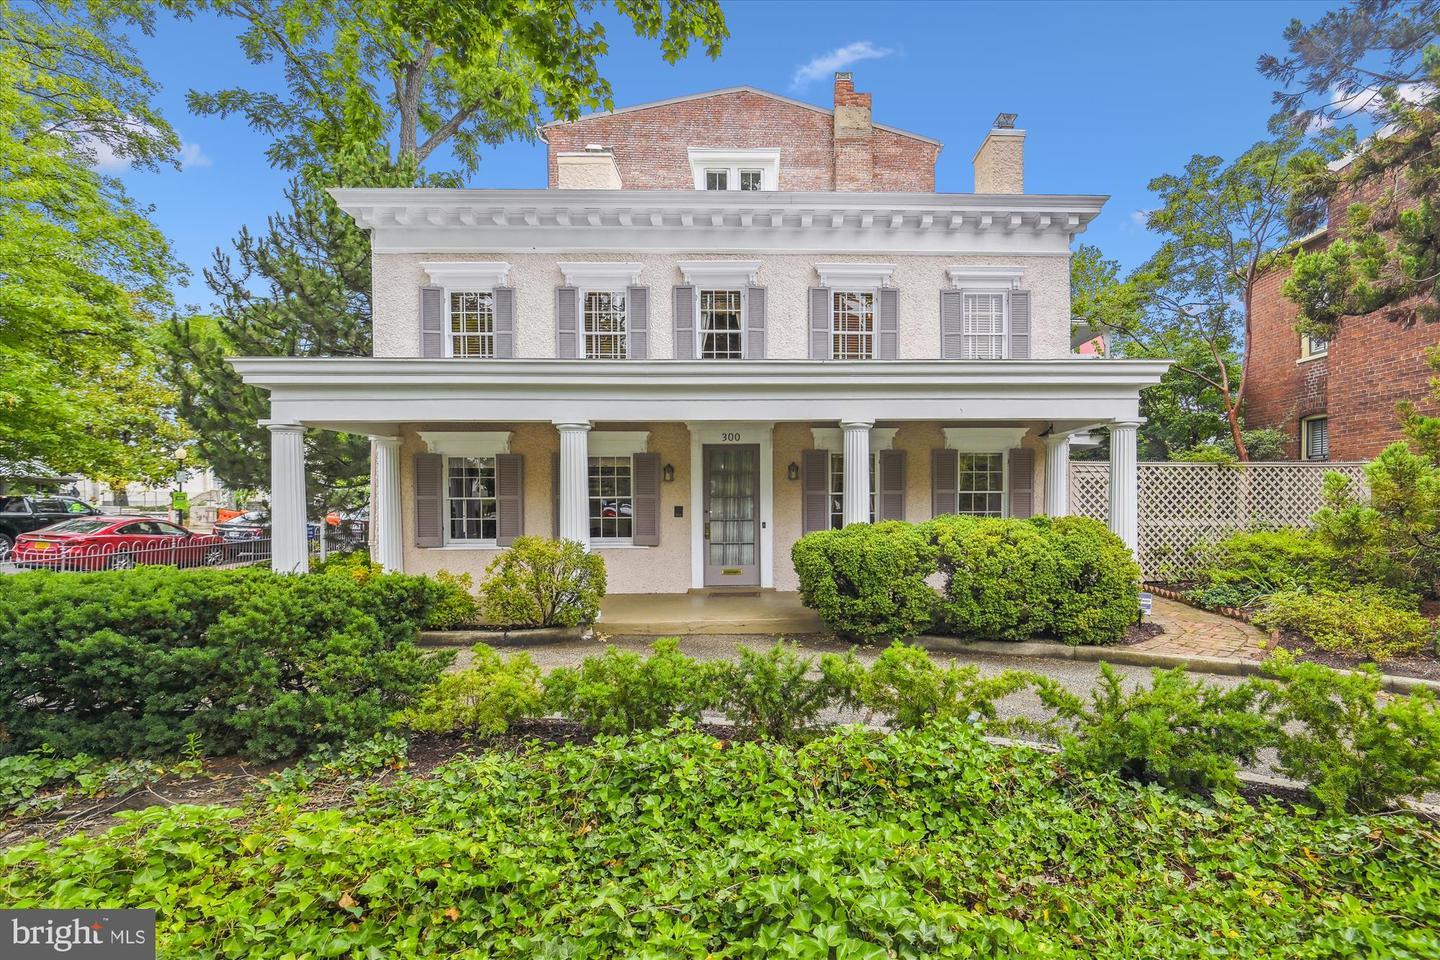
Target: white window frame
{"type": "Point", "coordinates": [700, 320]}
{"type": "Point", "coordinates": [1004, 482]}
{"type": "Point", "coordinates": [1308, 351]}
{"type": "Point", "coordinates": [615, 444]}
{"type": "Point", "coordinates": [451, 336]}
{"type": "Point", "coordinates": [837, 456]}
{"type": "Point", "coordinates": [1004, 334]}
{"type": "Point", "coordinates": [1306, 425]}
{"type": "Point", "coordinates": [472, 277]}
{"type": "Point", "coordinates": [471, 541]}
{"type": "Point", "coordinates": [874, 294]}
{"type": "Point", "coordinates": [583, 293]}
{"type": "Point", "coordinates": [705, 159]}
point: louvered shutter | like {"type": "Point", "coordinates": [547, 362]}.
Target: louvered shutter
{"type": "Point", "coordinates": [504, 323]}
{"type": "Point", "coordinates": [820, 345]}
{"type": "Point", "coordinates": [1020, 325]}
{"type": "Point", "coordinates": [684, 316]}
{"type": "Point", "coordinates": [890, 479]}
{"type": "Point", "coordinates": [887, 324]}
{"type": "Point", "coordinates": [755, 323]}
{"type": "Point", "coordinates": [645, 490]}
{"type": "Point", "coordinates": [567, 323]}
{"type": "Point", "coordinates": [509, 498]}
{"type": "Point", "coordinates": [432, 322]}
{"type": "Point", "coordinates": [637, 323]}
{"type": "Point", "coordinates": [815, 490]}
{"type": "Point", "coordinates": [429, 500]}
{"type": "Point", "coordinates": [1022, 483]}
{"type": "Point", "coordinates": [944, 481]}
{"type": "Point", "coordinates": [952, 345]}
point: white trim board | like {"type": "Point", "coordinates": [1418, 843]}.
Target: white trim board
{"type": "Point", "coordinates": [468, 276]}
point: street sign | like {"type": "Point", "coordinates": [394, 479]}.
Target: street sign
{"type": "Point", "coordinates": [179, 500]}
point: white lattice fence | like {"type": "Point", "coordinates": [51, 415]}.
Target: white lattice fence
{"type": "Point", "coordinates": [1186, 504]}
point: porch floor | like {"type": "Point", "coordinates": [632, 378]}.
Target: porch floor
{"type": "Point", "coordinates": [707, 613]}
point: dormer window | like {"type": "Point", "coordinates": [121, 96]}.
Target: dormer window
{"type": "Point", "coordinates": [750, 170]}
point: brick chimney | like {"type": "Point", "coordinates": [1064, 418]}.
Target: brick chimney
{"type": "Point", "coordinates": [854, 136]}
{"type": "Point", "coordinates": [1000, 161]}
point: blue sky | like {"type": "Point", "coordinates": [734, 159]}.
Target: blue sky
{"type": "Point", "coordinates": [1112, 94]}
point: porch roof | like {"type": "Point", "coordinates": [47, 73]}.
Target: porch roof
{"type": "Point", "coordinates": [365, 394]}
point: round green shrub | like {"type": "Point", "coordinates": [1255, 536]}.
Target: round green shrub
{"type": "Point", "coordinates": [1001, 577]}
{"type": "Point", "coordinates": [1363, 622]}
{"type": "Point", "coordinates": [540, 582]}
{"type": "Point", "coordinates": [1245, 567]}
{"type": "Point", "coordinates": [1097, 588]}
{"type": "Point", "coordinates": [867, 581]}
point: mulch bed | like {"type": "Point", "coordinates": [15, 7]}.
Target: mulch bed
{"type": "Point", "coordinates": [1425, 665]}
{"type": "Point", "coordinates": [1146, 630]}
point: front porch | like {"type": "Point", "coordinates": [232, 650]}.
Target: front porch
{"type": "Point", "coordinates": [737, 612]}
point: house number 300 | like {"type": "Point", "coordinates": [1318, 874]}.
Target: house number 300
{"type": "Point", "coordinates": [729, 438]}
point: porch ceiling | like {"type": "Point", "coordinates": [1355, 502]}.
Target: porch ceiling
{"type": "Point", "coordinates": [348, 393]}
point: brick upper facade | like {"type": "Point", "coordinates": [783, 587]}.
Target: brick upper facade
{"type": "Point", "coordinates": [1376, 360]}
{"type": "Point", "coordinates": [819, 149]}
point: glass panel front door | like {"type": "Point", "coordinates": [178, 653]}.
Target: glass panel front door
{"type": "Point", "coordinates": [732, 515]}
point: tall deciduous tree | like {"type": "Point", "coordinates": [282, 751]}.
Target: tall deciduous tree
{"type": "Point", "coordinates": [83, 272]}
{"type": "Point", "coordinates": [377, 93]}
{"type": "Point", "coordinates": [1376, 61]}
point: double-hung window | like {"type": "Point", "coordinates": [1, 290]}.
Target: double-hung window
{"type": "Point", "coordinates": [983, 325]}
{"type": "Point", "coordinates": [472, 324]}
{"type": "Point", "coordinates": [612, 500]}
{"type": "Point", "coordinates": [837, 489]}
{"type": "Point", "coordinates": [604, 324]}
{"type": "Point", "coordinates": [734, 178]}
{"type": "Point", "coordinates": [720, 169]}
{"type": "Point", "coordinates": [470, 502]}
{"type": "Point", "coordinates": [980, 484]}
{"type": "Point", "coordinates": [1312, 347]}
{"type": "Point", "coordinates": [722, 325]}
{"type": "Point", "coordinates": [852, 325]}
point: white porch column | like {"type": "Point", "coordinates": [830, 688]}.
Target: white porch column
{"type": "Point", "coordinates": [385, 504]}
{"type": "Point", "coordinates": [287, 498]}
{"type": "Point", "coordinates": [1057, 474]}
{"type": "Point", "coordinates": [857, 470]}
{"type": "Point", "coordinates": [574, 481]}
{"type": "Point", "coordinates": [1124, 489]}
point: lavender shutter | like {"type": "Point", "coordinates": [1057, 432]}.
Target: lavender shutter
{"type": "Point", "coordinates": [815, 490]}
{"type": "Point", "coordinates": [429, 500]}
{"type": "Point", "coordinates": [890, 477]}
{"type": "Point", "coordinates": [509, 498]}
{"type": "Point", "coordinates": [567, 323]}
{"type": "Point", "coordinates": [504, 323]}
{"type": "Point", "coordinates": [944, 482]}
{"type": "Point", "coordinates": [645, 490]}
{"type": "Point", "coordinates": [820, 343]}
{"type": "Point", "coordinates": [637, 322]}
{"type": "Point", "coordinates": [887, 324]}
{"type": "Point", "coordinates": [1022, 483]}
{"type": "Point", "coordinates": [1020, 325]}
{"type": "Point", "coordinates": [432, 322]}
{"type": "Point", "coordinates": [683, 313]}
{"type": "Point", "coordinates": [952, 340]}
{"type": "Point", "coordinates": [755, 323]}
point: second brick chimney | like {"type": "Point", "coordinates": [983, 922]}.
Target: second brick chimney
{"type": "Point", "coordinates": [854, 136]}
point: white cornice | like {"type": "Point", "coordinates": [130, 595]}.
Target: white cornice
{"type": "Point", "coordinates": [424, 220]}
{"type": "Point", "coordinates": [591, 273]}
{"type": "Point", "coordinates": [475, 275]}
{"type": "Point", "coordinates": [720, 273]}
{"type": "Point", "coordinates": [468, 443]}
{"type": "Point", "coordinates": [854, 274]}
{"type": "Point", "coordinates": [1004, 278]}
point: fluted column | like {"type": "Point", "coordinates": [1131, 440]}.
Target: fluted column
{"type": "Point", "coordinates": [385, 504]}
{"type": "Point", "coordinates": [574, 481]}
{"type": "Point", "coordinates": [287, 498]}
{"type": "Point", "coordinates": [856, 508]}
{"type": "Point", "coordinates": [1057, 474]}
{"type": "Point", "coordinates": [1124, 483]}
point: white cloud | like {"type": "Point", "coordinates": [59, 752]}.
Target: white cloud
{"type": "Point", "coordinates": [825, 64]}
{"type": "Point", "coordinates": [192, 156]}
{"type": "Point", "coordinates": [1367, 101]}
{"type": "Point", "coordinates": [1138, 217]}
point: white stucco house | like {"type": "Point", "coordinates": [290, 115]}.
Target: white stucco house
{"type": "Point", "coordinates": [731, 319]}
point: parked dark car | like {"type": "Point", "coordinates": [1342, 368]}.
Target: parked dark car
{"type": "Point", "coordinates": [25, 514]}
{"type": "Point", "coordinates": [248, 535]}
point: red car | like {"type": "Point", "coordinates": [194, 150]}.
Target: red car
{"type": "Point", "coordinates": [116, 543]}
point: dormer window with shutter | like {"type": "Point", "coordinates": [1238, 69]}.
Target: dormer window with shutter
{"type": "Point", "coordinates": [467, 311]}
{"type": "Point", "coordinates": [986, 315]}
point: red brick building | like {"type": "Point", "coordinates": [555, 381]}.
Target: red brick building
{"type": "Point", "coordinates": [1335, 401]}
{"type": "Point", "coordinates": [725, 135]}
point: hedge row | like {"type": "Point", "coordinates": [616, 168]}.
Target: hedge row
{"type": "Point", "coordinates": [140, 662]}
{"type": "Point", "coordinates": [1068, 578]}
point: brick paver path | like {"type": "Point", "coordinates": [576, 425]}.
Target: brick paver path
{"type": "Point", "coordinates": [1200, 633]}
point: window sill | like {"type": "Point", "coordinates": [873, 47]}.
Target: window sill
{"type": "Point", "coordinates": [468, 545]}
{"type": "Point", "coordinates": [1313, 357]}
{"type": "Point", "coordinates": [616, 545]}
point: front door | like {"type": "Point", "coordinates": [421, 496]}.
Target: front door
{"type": "Point", "coordinates": [732, 515]}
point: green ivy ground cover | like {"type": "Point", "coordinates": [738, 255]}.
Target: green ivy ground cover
{"type": "Point", "coordinates": [926, 844]}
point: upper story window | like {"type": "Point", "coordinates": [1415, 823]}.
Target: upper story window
{"type": "Point", "coordinates": [852, 325]}
{"type": "Point", "coordinates": [1311, 347]}
{"type": "Point", "coordinates": [721, 325]}
{"type": "Point", "coordinates": [983, 325]}
{"type": "Point", "coordinates": [720, 169]}
{"type": "Point", "coordinates": [604, 324]}
{"type": "Point", "coordinates": [472, 324]}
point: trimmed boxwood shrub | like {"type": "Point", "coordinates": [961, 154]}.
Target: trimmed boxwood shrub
{"type": "Point", "coordinates": [134, 662]}
{"type": "Point", "coordinates": [867, 581]}
{"type": "Point", "coordinates": [1001, 577]}
{"type": "Point", "coordinates": [1097, 596]}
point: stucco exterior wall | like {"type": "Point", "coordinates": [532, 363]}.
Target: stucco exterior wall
{"type": "Point", "coordinates": [1000, 163]}
{"type": "Point", "coordinates": [398, 277]}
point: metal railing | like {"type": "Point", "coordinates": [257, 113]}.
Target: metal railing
{"type": "Point", "coordinates": [126, 553]}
